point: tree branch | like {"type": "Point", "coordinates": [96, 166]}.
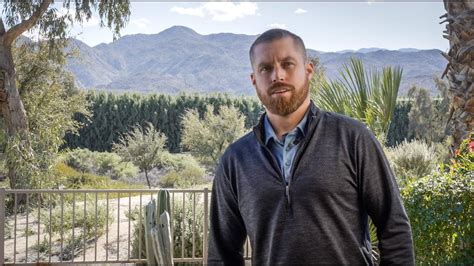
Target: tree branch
{"type": "Point", "coordinates": [25, 25]}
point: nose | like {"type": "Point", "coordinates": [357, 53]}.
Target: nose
{"type": "Point", "coordinates": [278, 74]}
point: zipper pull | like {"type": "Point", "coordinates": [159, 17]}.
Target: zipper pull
{"type": "Point", "coordinates": [287, 190]}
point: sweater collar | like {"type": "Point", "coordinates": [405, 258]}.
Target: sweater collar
{"type": "Point", "coordinates": [259, 129]}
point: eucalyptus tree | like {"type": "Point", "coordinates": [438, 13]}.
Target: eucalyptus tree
{"type": "Point", "coordinates": [52, 24]}
{"type": "Point", "coordinates": [368, 96]}
{"type": "Point", "coordinates": [460, 67]}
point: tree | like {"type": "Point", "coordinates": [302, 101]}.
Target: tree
{"type": "Point", "coordinates": [421, 116]}
{"type": "Point", "coordinates": [319, 75]}
{"type": "Point", "coordinates": [208, 138]}
{"type": "Point", "coordinates": [460, 67]}
{"type": "Point", "coordinates": [51, 101]}
{"type": "Point", "coordinates": [144, 146]}
{"type": "Point", "coordinates": [427, 116]}
{"type": "Point", "coordinates": [22, 16]}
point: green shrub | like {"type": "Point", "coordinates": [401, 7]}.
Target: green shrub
{"type": "Point", "coordinates": [88, 225]}
{"type": "Point", "coordinates": [183, 226]}
{"type": "Point", "coordinates": [71, 247]}
{"type": "Point", "coordinates": [80, 159]}
{"type": "Point", "coordinates": [413, 159]}
{"type": "Point", "coordinates": [82, 220]}
{"type": "Point", "coordinates": [71, 179]}
{"type": "Point", "coordinates": [42, 247]}
{"type": "Point", "coordinates": [440, 210]}
{"type": "Point", "coordinates": [133, 214]}
{"type": "Point", "coordinates": [100, 163]}
{"type": "Point", "coordinates": [137, 237]}
{"type": "Point", "coordinates": [184, 171]}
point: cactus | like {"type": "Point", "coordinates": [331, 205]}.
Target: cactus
{"type": "Point", "coordinates": [157, 230]}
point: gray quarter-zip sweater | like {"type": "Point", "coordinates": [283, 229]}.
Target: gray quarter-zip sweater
{"type": "Point", "coordinates": [339, 178]}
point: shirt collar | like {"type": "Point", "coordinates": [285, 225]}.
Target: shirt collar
{"type": "Point", "coordinates": [270, 133]}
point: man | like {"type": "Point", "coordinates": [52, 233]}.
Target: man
{"type": "Point", "coordinates": [303, 184]}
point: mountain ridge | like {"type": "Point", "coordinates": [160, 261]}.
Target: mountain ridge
{"type": "Point", "coordinates": [179, 59]}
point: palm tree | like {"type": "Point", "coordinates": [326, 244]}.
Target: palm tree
{"type": "Point", "coordinates": [368, 96]}
{"type": "Point", "coordinates": [460, 68]}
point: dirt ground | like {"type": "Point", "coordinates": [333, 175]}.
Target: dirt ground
{"type": "Point", "coordinates": [113, 246]}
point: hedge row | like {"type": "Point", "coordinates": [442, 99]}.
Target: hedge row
{"type": "Point", "coordinates": [115, 114]}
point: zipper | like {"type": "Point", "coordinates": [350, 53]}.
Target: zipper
{"type": "Point", "coordinates": [295, 161]}
{"type": "Point", "coordinates": [309, 128]}
{"type": "Point", "coordinates": [297, 158]}
{"type": "Point", "coordinates": [282, 177]}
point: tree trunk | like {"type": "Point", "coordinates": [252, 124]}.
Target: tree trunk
{"type": "Point", "coordinates": [147, 180]}
{"type": "Point", "coordinates": [12, 109]}
{"type": "Point", "coordinates": [460, 68]}
{"type": "Point", "coordinates": [11, 106]}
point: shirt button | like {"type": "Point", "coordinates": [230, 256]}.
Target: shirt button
{"type": "Point", "coordinates": [287, 163]}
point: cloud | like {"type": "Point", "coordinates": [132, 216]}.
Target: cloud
{"type": "Point", "coordinates": [300, 11]}
{"type": "Point", "coordinates": [277, 26]}
{"type": "Point", "coordinates": [227, 11]}
{"type": "Point", "coordinates": [220, 11]}
{"type": "Point", "coordinates": [141, 23]}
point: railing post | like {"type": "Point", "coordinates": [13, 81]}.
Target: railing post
{"type": "Point", "coordinates": [2, 226]}
{"type": "Point", "coordinates": [206, 225]}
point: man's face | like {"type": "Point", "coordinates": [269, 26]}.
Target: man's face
{"type": "Point", "coordinates": [281, 76]}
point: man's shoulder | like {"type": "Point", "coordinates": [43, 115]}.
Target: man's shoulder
{"type": "Point", "coordinates": [342, 122]}
{"type": "Point", "coordinates": [242, 144]}
{"type": "Point", "coordinates": [242, 148]}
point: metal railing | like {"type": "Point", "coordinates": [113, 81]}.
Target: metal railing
{"type": "Point", "coordinates": [97, 226]}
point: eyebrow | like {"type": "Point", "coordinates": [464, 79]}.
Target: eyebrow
{"type": "Point", "coordinates": [288, 58]}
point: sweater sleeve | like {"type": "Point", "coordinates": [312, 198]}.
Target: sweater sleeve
{"type": "Point", "coordinates": [383, 203]}
{"type": "Point", "coordinates": [227, 230]}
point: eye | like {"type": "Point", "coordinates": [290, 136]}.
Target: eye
{"type": "Point", "coordinates": [288, 64]}
{"type": "Point", "coordinates": [265, 69]}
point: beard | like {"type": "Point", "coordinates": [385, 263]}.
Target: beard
{"type": "Point", "coordinates": [279, 104]}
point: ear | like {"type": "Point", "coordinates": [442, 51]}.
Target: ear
{"type": "Point", "coordinates": [252, 78]}
{"type": "Point", "coordinates": [309, 67]}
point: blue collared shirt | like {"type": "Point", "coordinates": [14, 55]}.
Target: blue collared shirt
{"type": "Point", "coordinates": [285, 149]}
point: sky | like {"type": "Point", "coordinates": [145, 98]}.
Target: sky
{"type": "Point", "coordinates": [324, 26]}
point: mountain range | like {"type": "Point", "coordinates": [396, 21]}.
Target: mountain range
{"type": "Point", "coordinates": [179, 59]}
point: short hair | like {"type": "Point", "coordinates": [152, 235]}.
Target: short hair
{"type": "Point", "coordinates": [274, 35]}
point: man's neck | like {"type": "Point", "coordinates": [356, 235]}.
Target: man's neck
{"type": "Point", "coordinates": [284, 124]}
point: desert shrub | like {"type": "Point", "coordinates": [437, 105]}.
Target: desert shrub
{"type": "Point", "coordinates": [100, 163]}
{"type": "Point", "coordinates": [413, 159]}
{"type": "Point", "coordinates": [42, 247]}
{"type": "Point", "coordinates": [69, 178]}
{"type": "Point", "coordinates": [80, 159]}
{"type": "Point", "coordinates": [88, 225]}
{"type": "Point", "coordinates": [8, 230]}
{"type": "Point", "coordinates": [138, 249]}
{"type": "Point", "coordinates": [440, 210]}
{"type": "Point", "coordinates": [183, 226]}
{"type": "Point", "coordinates": [133, 214]}
{"type": "Point", "coordinates": [183, 171]}
{"type": "Point", "coordinates": [87, 220]}
{"type": "Point", "coordinates": [71, 247]}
